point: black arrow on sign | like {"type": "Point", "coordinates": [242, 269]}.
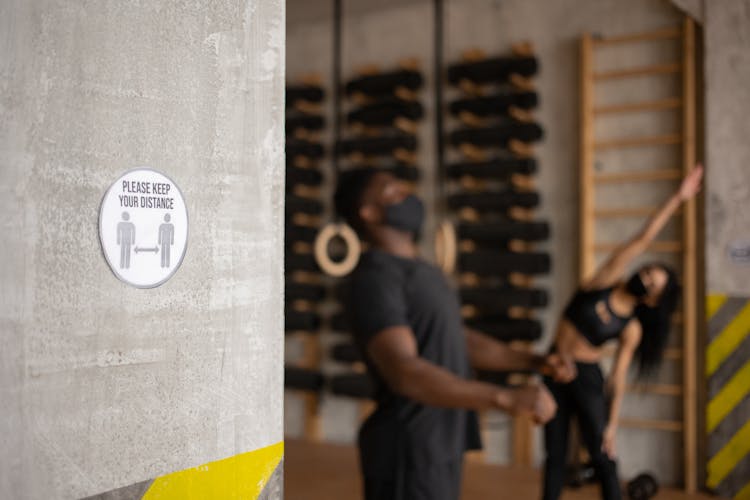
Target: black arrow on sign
{"type": "Point", "coordinates": [147, 249]}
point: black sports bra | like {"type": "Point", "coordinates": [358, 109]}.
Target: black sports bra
{"type": "Point", "coordinates": [587, 310]}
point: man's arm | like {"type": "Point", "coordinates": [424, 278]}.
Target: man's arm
{"type": "Point", "coordinates": [393, 351]}
{"type": "Point", "coordinates": [486, 353]}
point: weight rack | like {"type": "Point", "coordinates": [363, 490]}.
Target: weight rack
{"type": "Point", "coordinates": [490, 190]}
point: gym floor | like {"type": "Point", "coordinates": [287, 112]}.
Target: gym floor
{"type": "Point", "coordinates": [324, 471]}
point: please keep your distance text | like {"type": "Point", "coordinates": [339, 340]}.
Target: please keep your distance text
{"type": "Point", "coordinates": [137, 194]}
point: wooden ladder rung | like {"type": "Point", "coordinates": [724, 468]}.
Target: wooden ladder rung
{"type": "Point", "coordinates": [630, 107]}
{"type": "Point", "coordinates": [639, 176]}
{"type": "Point", "coordinates": [653, 69]}
{"type": "Point", "coordinates": [656, 246]}
{"type": "Point", "coordinates": [659, 425]}
{"type": "Point", "coordinates": [659, 389]}
{"type": "Point", "coordinates": [626, 212]}
{"type": "Point", "coordinates": [629, 142]}
{"type": "Point", "coordinates": [660, 34]}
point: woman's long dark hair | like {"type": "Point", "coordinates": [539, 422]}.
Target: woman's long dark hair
{"type": "Point", "coordinates": [655, 324]}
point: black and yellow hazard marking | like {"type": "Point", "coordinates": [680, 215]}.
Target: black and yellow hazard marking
{"type": "Point", "coordinates": [728, 411]}
{"type": "Point", "coordinates": [131, 492]}
{"type": "Point", "coordinates": [255, 475]}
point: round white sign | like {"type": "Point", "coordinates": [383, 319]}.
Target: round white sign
{"type": "Point", "coordinates": [143, 227]}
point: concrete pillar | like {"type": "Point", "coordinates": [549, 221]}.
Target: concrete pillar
{"type": "Point", "coordinates": [727, 70]}
{"type": "Point", "coordinates": [108, 387]}
{"type": "Point", "coordinates": [727, 101]}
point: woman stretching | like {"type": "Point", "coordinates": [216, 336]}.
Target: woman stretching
{"type": "Point", "coordinates": [637, 313]}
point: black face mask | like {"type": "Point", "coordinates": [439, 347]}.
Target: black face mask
{"type": "Point", "coordinates": [635, 286]}
{"type": "Point", "coordinates": [406, 215]}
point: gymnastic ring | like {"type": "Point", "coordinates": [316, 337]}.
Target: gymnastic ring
{"type": "Point", "coordinates": [353, 249]}
{"type": "Point", "coordinates": [445, 247]}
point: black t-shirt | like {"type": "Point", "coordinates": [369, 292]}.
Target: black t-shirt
{"type": "Point", "coordinates": [386, 291]}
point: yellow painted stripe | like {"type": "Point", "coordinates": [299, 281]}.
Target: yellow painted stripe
{"type": "Point", "coordinates": [744, 493]}
{"type": "Point", "coordinates": [728, 340]}
{"type": "Point", "coordinates": [728, 397]}
{"type": "Point", "coordinates": [242, 476]}
{"type": "Point", "coordinates": [723, 462]}
{"type": "Point", "coordinates": [714, 303]}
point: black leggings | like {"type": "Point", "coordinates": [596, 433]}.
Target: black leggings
{"type": "Point", "coordinates": [584, 397]}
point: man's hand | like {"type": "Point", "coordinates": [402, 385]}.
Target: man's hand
{"type": "Point", "coordinates": [535, 401]}
{"type": "Point", "coordinates": [561, 368]}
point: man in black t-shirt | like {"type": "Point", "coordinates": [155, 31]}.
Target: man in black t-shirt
{"type": "Point", "coordinates": [406, 320]}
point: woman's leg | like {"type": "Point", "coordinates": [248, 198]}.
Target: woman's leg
{"type": "Point", "coordinates": [556, 442]}
{"type": "Point", "coordinates": [591, 408]}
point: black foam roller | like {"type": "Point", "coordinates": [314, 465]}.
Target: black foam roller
{"type": "Point", "coordinates": [300, 320]}
{"type": "Point", "coordinates": [310, 93]}
{"type": "Point", "coordinates": [495, 70]}
{"type": "Point", "coordinates": [300, 262]}
{"type": "Point", "coordinates": [378, 146]}
{"type": "Point", "coordinates": [303, 291]}
{"type": "Point", "coordinates": [495, 105]}
{"type": "Point", "coordinates": [497, 135]}
{"type": "Point", "coordinates": [303, 379]}
{"type": "Point", "coordinates": [497, 168]}
{"type": "Point", "coordinates": [385, 83]}
{"type": "Point", "coordinates": [501, 298]}
{"type": "Point", "coordinates": [492, 233]}
{"type": "Point", "coordinates": [294, 233]}
{"type": "Point", "coordinates": [304, 176]}
{"type": "Point", "coordinates": [298, 204]}
{"type": "Point", "coordinates": [301, 147]}
{"type": "Point", "coordinates": [346, 352]}
{"type": "Point", "coordinates": [355, 385]}
{"type": "Point", "coordinates": [307, 122]}
{"type": "Point", "coordinates": [507, 329]}
{"type": "Point", "coordinates": [385, 111]}
{"type": "Point", "coordinates": [404, 172]}
{"type": "Point", "coordinates": [494, 200]}
{"type": "Point", "coordinates": [492, 262]}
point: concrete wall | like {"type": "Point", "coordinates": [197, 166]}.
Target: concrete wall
{"type": "Point", "coordinates": [393, 32]}
{"type": "Point", "coordinates": [104, 385]}
{"type": "Point", "coordinates": [726, 30]}
{"type": "Point", "coordinates": [727, 101]}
